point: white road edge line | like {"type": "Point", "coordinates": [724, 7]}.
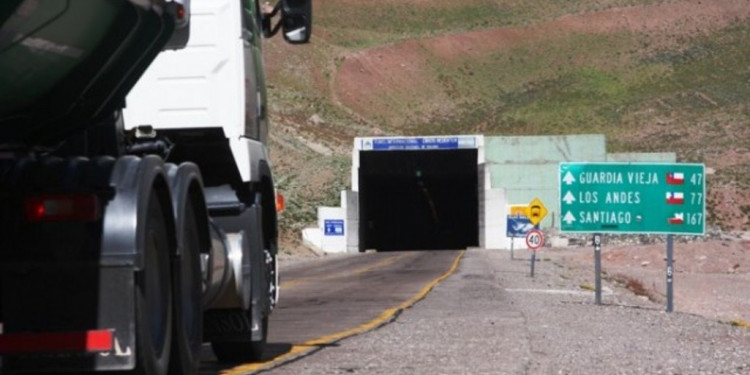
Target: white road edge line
{"type": "Point", "coordinates": [605, 291]}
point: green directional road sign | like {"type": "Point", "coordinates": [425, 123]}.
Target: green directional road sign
{"type": "Point", "coordinates": [632, 198]}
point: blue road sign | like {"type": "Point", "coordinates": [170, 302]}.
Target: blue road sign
{"type": "Point", "coordinates": [518, 226]}
{"type": "Point", "coordinates": [333, 227]}
{"type": "Point", "coordinates": [424, 143]}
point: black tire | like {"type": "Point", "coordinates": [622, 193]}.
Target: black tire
{"type": "Point", "coordinates": [187, 335]}
{"type": "Point", "coordinates": [241, 351]}
{"type": "Point", "coordinates": [153, 302]}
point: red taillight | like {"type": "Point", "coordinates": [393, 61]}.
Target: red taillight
{"type": "Point", "coordinates": [56, 342]}
{"type": "Point", "coordinates": [180, 12]}
{"type": "Point", "coordinates": [79, 207]}
{"type": "Point", "coordinates": [280, 204]}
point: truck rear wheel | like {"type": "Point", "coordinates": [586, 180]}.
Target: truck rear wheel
{"type": "Point", "coordinates": [153, 300]}
{"type": "Point", "coordinates": [241, 351]}
{"type": "Point", "coordinates": [188, 320]}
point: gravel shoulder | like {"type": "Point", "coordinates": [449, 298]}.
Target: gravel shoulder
{"type": "Point", "coordinates": [712, 277]}
{"type": "Point", "coordinates": [491, 317]}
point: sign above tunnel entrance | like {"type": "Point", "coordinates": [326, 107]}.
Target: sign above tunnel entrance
{"type": "Point", "coordinates": [632, 198]}
{"type": "Point", "coordinates": [418, 143]}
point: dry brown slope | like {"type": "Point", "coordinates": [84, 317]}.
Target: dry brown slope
{"type": "Point", "coordinates": [367, 79]}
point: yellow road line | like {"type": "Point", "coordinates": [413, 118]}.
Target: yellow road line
{"type": "Point", "coordinates": [383, 263]}
{"type": "Point", "coordinates": [383, 318]}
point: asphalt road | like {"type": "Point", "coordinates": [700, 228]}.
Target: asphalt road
{"type": "Point", "coordinates": [325, 300]}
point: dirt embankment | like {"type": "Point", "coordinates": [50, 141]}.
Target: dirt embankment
{"type": "Point", "coordinates": [712, 278]}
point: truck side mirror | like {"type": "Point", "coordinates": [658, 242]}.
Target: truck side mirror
{"type": "Point", "coordinates": [296, 20]}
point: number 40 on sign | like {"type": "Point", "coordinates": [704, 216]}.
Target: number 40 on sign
{"type": "Point", "coordinates": [534, 239]}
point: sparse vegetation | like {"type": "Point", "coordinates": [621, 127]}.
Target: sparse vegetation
{"type": "Point", "coordinates": [740, 323]}
{"type": "Point", "coordinates": [366, 24]}
{"type": "Point", "coordinates": [634, 285]}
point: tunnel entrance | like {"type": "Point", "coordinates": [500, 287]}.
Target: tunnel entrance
{"type": "Point", "coordinates": [418, 199]}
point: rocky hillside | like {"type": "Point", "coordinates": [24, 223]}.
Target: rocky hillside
{"type": "Point", "coordinates": [650, 75]}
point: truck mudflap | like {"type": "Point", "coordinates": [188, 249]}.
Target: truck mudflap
{"type": "Point", "coordinates": [73, 318]}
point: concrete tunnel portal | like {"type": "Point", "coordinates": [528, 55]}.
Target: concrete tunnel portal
{"type": "Point", "coordinates": [418, 199]}
{"type": "Point", "coordinates": [472, 181]}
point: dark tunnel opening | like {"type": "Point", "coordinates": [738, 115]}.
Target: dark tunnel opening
{"type": "Point", "coordinates": [418, 200]}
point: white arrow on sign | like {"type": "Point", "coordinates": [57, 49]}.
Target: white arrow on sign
{"type": "Point", "coordinates": [569, 218]}
{"type": "Point", "coordinates": [569, 179]}
{"type": "Point", "coordinates": [569, 198]}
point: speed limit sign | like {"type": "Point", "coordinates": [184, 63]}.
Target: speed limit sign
{"type": "Point", "coordinates": [534, 239]}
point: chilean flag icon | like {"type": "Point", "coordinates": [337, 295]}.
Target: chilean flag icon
{"type": "Point", "coordinates": [675, 178]}
{"type": "Point", "coordinates": [676, 219]}
{"type": "Point", "coordinates": [675, 198]}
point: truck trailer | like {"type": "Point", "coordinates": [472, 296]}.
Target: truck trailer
{"type": "Point", "coordinates": [137, 200]}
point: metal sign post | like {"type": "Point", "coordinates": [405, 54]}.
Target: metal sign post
{"type": "Point", "coordinates": [518, 226]}
{"type": "Point", "coordinates": [534, 241]}
{"type": "Point", "coordinates": [670, 272]}
{"type": "Point", "coordinates": [598, 267]}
